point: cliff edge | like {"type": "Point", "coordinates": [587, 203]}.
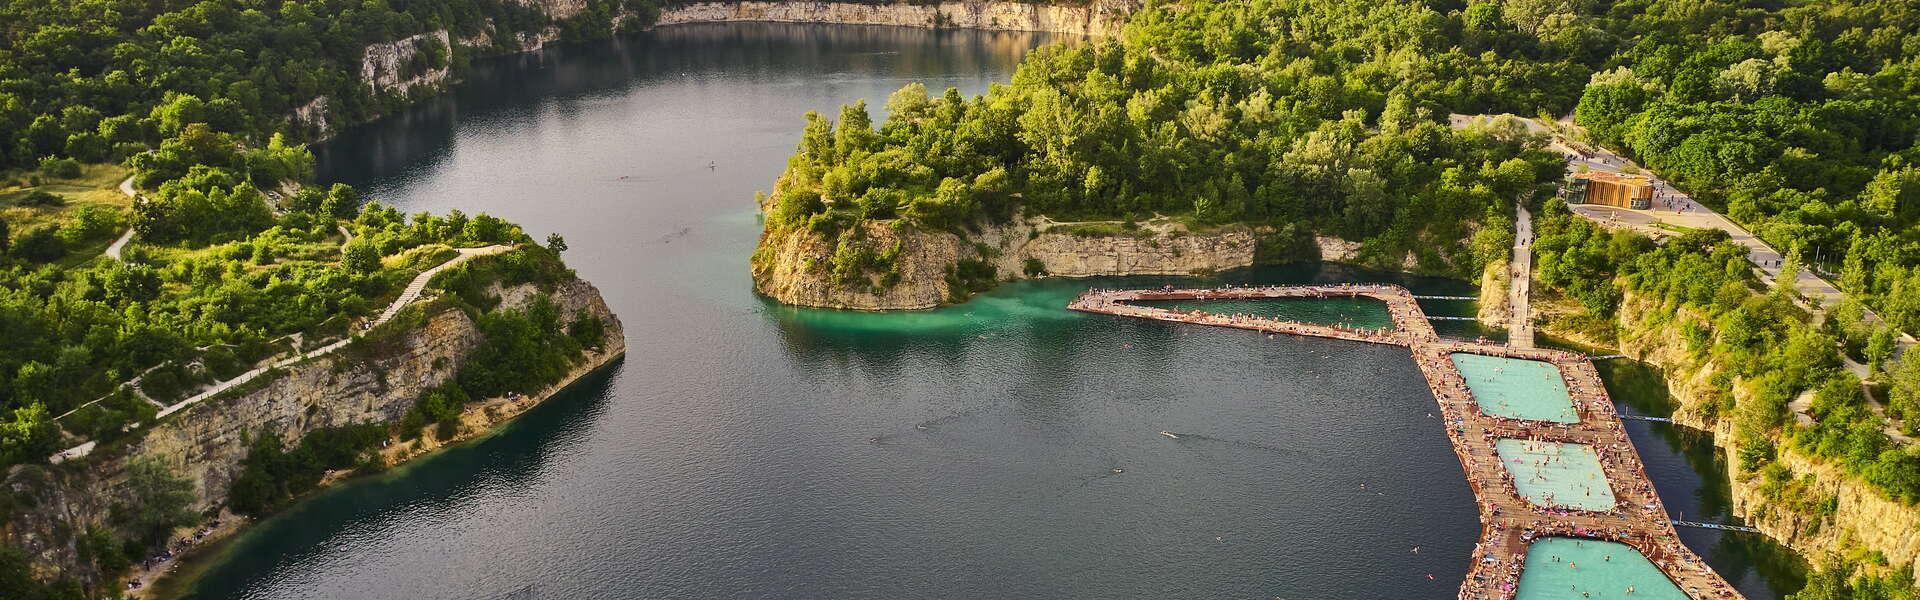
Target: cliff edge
{"type": "Point", "coordinates": [921, 269]}
{"type": "Point", "coordinates": [375, 380]}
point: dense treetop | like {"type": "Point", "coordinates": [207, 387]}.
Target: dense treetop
{"type": "Point", "coordinates": [1797, 118]}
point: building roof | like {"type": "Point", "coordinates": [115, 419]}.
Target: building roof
{"type": "Point", "coordinates": [1614, 178]}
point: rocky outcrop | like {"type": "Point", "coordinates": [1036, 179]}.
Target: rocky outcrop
{"type": "Point", "coordinates": [1333, 249]}
{"type": "Point", "coordinates": [1103, 17]}
{"type": "Point", "coordinates": [312, 117]}
{"type": "Point", "coordinates": [1496, 303]}
{"type": "Point", "coordinates": [376, 380]}
{"type": "Point", "coordinates": [792, 267]}
{"type": "Point", "coordinates": [399, 66]}
{"type": "Point", "coordinates": [1796, 514]}
{"type": "Point", "coordinates": [558, 10]}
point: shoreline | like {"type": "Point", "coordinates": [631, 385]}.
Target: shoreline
{"type": "Point", "coordinates": [1510, 520]}
{"type": "Point", "coordinates": [478, 420]}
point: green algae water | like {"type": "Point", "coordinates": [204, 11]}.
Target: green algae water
{"type": "Point", "coordinates": [1556, 475]}
{"type": "Point", "coordinates": [1517, 388]}
{"type": "Point", "coordinates": [1366, 313]}
{"type": "Point", "coordinates": [1003, 448]}
{"type": "Point", "coordinates": [1560, 568]}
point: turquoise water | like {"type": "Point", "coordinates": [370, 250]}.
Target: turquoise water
{"type": "Point", "coordinates": [1351, 312]}
{"type": "Point", "coordinates": [1566, 568]}
{"type": "Point", "coordinates": [1002, 448]}
{"type": "Point", "coordinates": [1517, 388]}
{"type": "Point", "coordinates": [1557, 475]}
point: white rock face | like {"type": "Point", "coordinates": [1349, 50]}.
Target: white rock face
{"type": "Point", "coordinates": [385, 67]}
{"type": "Point", "coordinates": [377, 380]}
{"type": "Point", "coordinates": [313, 115]}
{"type": "Point", "coordinates": [1099, 18]}
{"type": "Point", "coordinates": [792, 265]}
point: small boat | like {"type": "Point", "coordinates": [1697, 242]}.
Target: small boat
{"type": "Point", "coordinates": [1169, 434]}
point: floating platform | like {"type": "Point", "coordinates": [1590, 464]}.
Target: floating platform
{"type": "Point", "coordinates": [1512, 526]}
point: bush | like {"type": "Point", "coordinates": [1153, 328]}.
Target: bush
{"type": "Point", "coordinates": [271, 477]}
{"type": "Point", "coordinates": [1035, 268]}
{"type": "Point", "coordinates": [40, 198]}
{"type": "Point", "coordinates": [40, 244]}
{"type": "Point", "coordinates": [60, 168]}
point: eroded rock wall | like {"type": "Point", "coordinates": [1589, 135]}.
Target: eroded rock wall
{"type": "Point", "coordinates": [1862, 517]}
{"type": "Point", "coordinates": [792, 265]}
{"type": "Point", "coordinates": [1097, 18]}
{"type": "Point", "coordinates": [400, 66]}
{"type": "Point", "coordinates": [377, 380]}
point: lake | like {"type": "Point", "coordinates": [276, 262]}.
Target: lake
{"type": "Point", "coordinates": [1001, 448]}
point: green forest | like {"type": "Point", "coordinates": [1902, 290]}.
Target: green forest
{"type": "Point", "coordinates": [236, 256]}
{"type": "Point", "coordinates": [1797, 119]}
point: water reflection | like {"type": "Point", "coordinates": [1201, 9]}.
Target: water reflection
{"type": "Point", "coordinates": [456, 480]}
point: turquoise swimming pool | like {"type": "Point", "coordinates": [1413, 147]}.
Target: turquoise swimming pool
{"type": "Point", "coordinates": [1560, 568]}
{"type": "Point", "coordinates": [1557, 475]}
{"type": "Point", "coordinates": [1517, 388]}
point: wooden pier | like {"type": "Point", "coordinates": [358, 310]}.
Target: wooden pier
{"type": "Point", "coordinates": [1509, 521]}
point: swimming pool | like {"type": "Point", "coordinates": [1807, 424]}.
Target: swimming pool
{"type": "Point", "coordinates": [1557, 475]}
{"type": "Point", "coordinates": [1363, 313]}
{"type": "Point", "coordinates": [1517, 388]}
{"type": "Point", "coordinates": [1562, 568]}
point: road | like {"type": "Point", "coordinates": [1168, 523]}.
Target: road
{"type": "Point", "coordinates": [1676, 208]}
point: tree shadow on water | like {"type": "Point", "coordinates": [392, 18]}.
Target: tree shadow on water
{"type": "Point", "coordinates": [515, 457]}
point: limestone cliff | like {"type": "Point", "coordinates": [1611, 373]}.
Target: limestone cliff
{"type": "Point", "coordinates": [792, 265]}
{"type": "Point", "coordinates": [1103, 17]}
{"type": "Point", "coordinates": [1824, 510]}
{"type": "Point", "coordinates": [418, 66]}
{"type": "Point", "coordinates": [400, 66]}
{"type": "Point", "coordinates": [376, 380]}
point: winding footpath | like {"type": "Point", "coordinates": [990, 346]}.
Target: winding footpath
{"type": "Point", "coordinates": [118, 245]}
{"type": "Point", "coordinates": [1510, 522]}
{"type": "Point", "coordinates": [407, 296]}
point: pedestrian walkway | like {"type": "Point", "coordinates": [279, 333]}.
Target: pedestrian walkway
{"type": "Point", "coordinates": [1676, 210]}
{"type": "Point", "coordinates": [407, 296]}
{"type": "Point", "coordinates": [1510, 523]}
{"type": "Point", "coordinates": [1520, 319]}
{"type": "Point", "coordinates": [120, 244]}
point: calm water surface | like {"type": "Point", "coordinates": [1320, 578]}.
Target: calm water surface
{"type": "Point", "coordinates": [1001, 448]}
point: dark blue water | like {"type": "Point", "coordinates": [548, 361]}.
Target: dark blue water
{"type": "Point", "coordinates": [1001, 448]}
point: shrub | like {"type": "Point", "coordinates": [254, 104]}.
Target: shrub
{"type": "Point", "coordinates": [40, 198]}
{"type": "Point", "coordinates": [60, 168]}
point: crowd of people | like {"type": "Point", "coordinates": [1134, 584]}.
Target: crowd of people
{"type": "Point", "coordinates": [1409, 324]}
{"type": "Point", "coordinates": [1511, 521]}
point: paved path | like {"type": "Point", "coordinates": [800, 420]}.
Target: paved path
{"type": "Point", "coordinates": [113, 250]}
{"type": "Point", "coordinates": [1509, 521]}
{"type": "Point", "coordinates": [1673, 207]}
{"type": "Point", "coordinates": [1520, 325]}
{"type": "Point", "coordinates": [407, 296]}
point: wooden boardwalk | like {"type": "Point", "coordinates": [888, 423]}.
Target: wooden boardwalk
{"type": "Point", "coordinates": [1509, 522]}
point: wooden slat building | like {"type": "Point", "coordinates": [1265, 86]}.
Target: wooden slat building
{"type": "Point", "coordinates": [1610, 189]}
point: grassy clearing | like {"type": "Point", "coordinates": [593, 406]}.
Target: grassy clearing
{"type": "Point", "coordinates": [97, 185]}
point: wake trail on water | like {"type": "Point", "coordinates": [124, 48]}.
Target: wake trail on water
{"type": "Point", "coordinates": [930, 425]}
{"type": "Point", "coordinates": [1200, 438]}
